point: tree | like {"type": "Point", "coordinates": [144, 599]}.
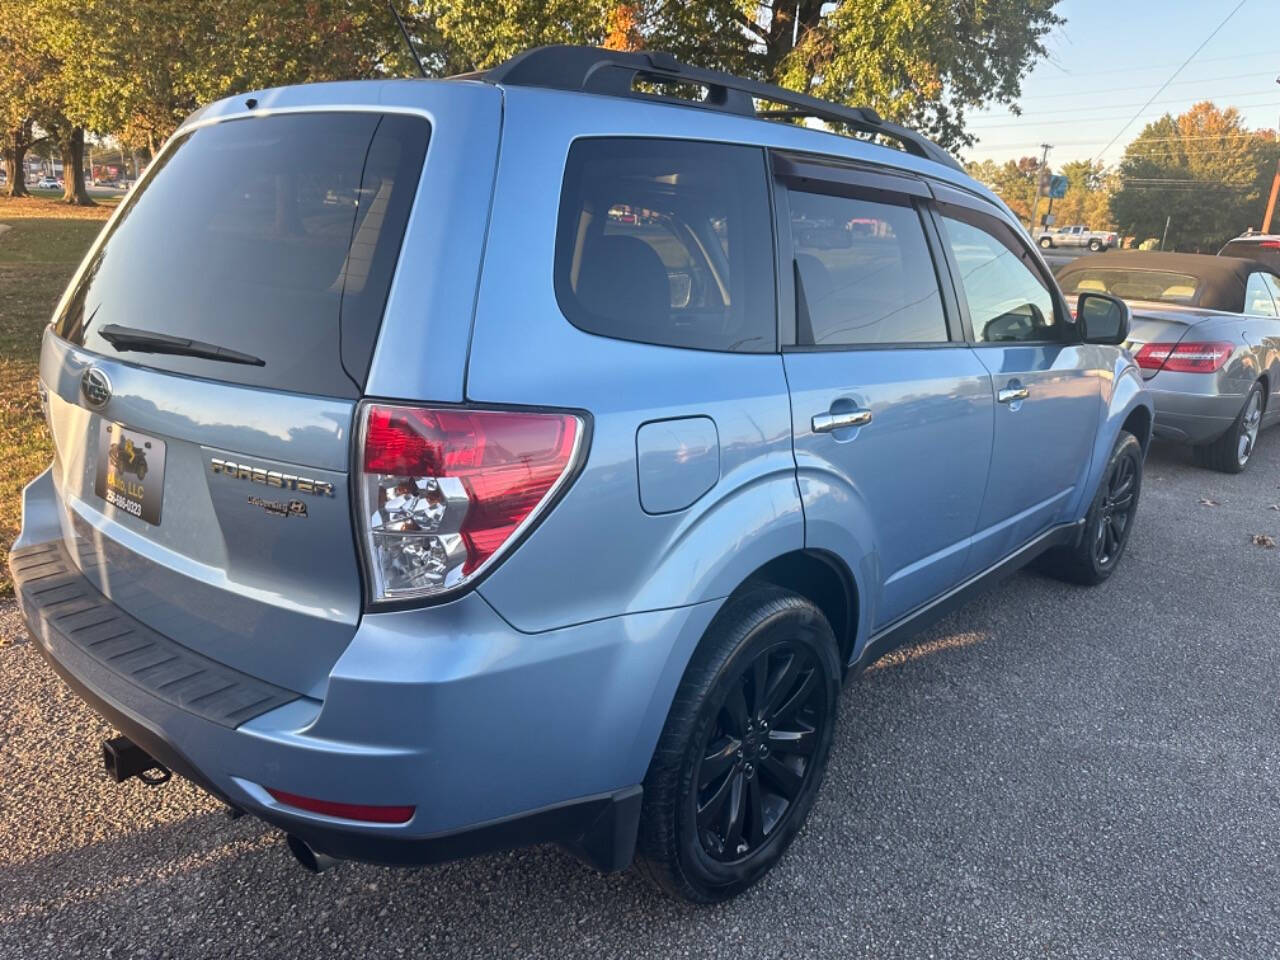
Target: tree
{"type": "Point", "coordinates": [1203, 171]}
{"type": "Point", "coordinates": [1013, 181]}
{"type": "Point", "coordinates": [924, 64]}
{"type": "Point", "coordinates": [921, 64]}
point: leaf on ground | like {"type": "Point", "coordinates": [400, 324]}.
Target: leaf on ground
{"type": "Point", "coordinates": [1263, 540]}
{"type": "Point", "coordinates": [1274, 506]}
{"type": "Point", "coordinates": [1206, 502]}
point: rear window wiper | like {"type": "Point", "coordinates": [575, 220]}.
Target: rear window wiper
{"type": "Point", "coordinates": [144, 341]}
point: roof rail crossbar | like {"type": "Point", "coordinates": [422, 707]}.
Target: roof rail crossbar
{"type": "Point", "coordinates": [614, 73]}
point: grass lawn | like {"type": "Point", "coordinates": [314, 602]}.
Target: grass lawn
{"type": "Point", "coordinates": [38, 253]}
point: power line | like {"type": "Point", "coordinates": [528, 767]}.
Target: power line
{"type": "Point", "coordinates": [1163, 65]}
{"type": "Point", "coordinates": [1078, 120]}
{"type": "Point", "coordinates": [1029, 116]}
{"type": "Point", "coordinates": [1148, 86]}
{"type": "Point", "coordinates": [1203, 44]}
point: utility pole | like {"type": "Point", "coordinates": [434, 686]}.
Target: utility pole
{"type": "Point", "coordinates": [1035, 206]}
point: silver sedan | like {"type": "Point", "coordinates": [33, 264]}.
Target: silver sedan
{"type": "Point", "coordinates": [1206, 334]}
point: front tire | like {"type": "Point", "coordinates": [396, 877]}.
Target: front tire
{"type": "Point", "coordinates": [744, 749]}
{"type": "Point", "coordinates": [1046, 243]}
{"type": "Point", "coordinates": [1232, 451]}
{"type": "Point", "coordinates": [1108, 522]}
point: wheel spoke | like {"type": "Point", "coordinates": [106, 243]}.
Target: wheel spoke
{"type": "Point", "coordinates": [709, 811]}
{"type": "Point", "coordinates": [755, 812]}
{"type": "Point", "coordinates": [1122, 504]}
{"type": "Point", "coordinates": [783, 777]}
{"type": "Point", "coordinates": [1117, 529]}
{"type": "Point", "coordinates": [796, 700]}
{"type": "Point", "coordinates": [802, 742]}
{"type": "Point", "coordinates": [781, 685]}
{"type": "Point", "coordinates": [718, 761]}
{"type": "Point", "coordinates": [735, 814]}
{"type": "Point", "coordinates": [735, 706]}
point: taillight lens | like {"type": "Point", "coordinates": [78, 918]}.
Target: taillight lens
{"type": "Point", "coordinates": [444, 490]}
{"type": "Point", "coordinates": [1184, 357]}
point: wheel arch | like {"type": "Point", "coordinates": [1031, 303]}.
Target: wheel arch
{"type": "Point", "coordinates": [824, 580]}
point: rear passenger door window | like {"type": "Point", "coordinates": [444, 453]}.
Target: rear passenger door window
{"type": "Point", "coordinates": [863, 272]}
{"type": "Point", "coordinates": [667, 242]}
{"type": "Point", "coordinates": [1009, 301]}
{"type": "Point", "coordinates": [1257, 297]}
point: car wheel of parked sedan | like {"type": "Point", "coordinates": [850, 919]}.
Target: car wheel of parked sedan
{"type": "Point", "coordinates": [1095, 245]}
{"type": "Point", "coordinates": [1109, 521]}
{"type": "Point", "coordinates": [1046, 243]}
{"type": "Point", "coordinates": [744, 748]}
{"type": "Point", "coordinates": [1231, 452]}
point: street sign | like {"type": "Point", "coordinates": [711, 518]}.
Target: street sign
{"type": "Point", "coordinates": [1057, 188]}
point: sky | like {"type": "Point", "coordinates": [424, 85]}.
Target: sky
{"type": "Point", "coordinates": [1112, 55]}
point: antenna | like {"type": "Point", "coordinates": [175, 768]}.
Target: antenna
{"type": "Point", "coordinates": [404, 32]}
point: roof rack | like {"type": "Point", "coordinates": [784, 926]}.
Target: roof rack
{"type": "Point", "coordinates": [614, 73]}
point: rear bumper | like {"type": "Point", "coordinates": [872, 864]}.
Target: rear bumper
{"type": "Point", "coordinates": [1194, 418]}
{"type": "Point", "coordinates": [496, 738]}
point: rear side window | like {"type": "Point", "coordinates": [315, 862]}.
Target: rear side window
{"type": "Point", "coordinates": [1161, 286]}
{"type": "Point", "coordinates": [1266, 252]}
{"type": "Point", "coordinates": [667, 242]}
{"type": "Point", "coordinates": [864, 274]}
{"type": "Point", "coordinates": [1257, 296]}
{"type": "Point", "coordinates": [275, 237]}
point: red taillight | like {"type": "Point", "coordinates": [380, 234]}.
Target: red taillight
{"type": "Point", "coordinates": [366, 812]}
{"type": "Point", "coordinates": [1270, 244]}
{"type": "Point", "coordinates": [443, 489]}
{"type": "Point", "coordinates": [1184, 357]}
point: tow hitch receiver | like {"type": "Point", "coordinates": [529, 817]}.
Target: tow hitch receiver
{"type": "Point", "coordinates": [124, 759]}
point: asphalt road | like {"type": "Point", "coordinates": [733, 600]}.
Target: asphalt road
{"type": "Point", "coordinates": [1051, 772]}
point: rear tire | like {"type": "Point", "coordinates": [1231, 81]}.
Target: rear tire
{"type": "Point", "coordinates": [1095, 245]}
{"type": "Point", "coordinates": [1232, 451]}
{"type": "Point", "coordinates": [742, 755]}
{"type": "Point", "coordinates": [1108, 522]}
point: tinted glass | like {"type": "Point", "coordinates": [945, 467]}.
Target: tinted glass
{"type": "Point", "coordinates": [1008, 300]}
{"type": "Point", "coordinates": [1264, 251]}
{"type": "Point", "coordinates": [864, 274]}
{"type": "Point", "coordinates": [275, 237]}
{"type": "Point", "coordinates": [1257, 297]}
{"type": "Point", "coordinates": [1161, 286]}
{"type": "Point", "coordinates": [667, 242]}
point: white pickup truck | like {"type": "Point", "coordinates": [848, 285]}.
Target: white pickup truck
{"type": "Point", "coordinates": [1076, 236]}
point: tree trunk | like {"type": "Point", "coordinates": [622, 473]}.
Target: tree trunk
{"type": "Point", "coordinates": [15, 160]}
{"type": "Point", "coordinates": [73, 170]}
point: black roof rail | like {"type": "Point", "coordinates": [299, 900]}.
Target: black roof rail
{"type": "Point", "coordinates": [614, 72]}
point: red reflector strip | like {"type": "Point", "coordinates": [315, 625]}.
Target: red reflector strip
{"type": "Point", "coordinates": [368, 813]}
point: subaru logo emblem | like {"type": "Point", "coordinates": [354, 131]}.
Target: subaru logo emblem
{"type": "Point", "coordinates": [95, 387]}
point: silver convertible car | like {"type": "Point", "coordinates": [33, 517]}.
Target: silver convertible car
{"type": "Point", "coordinates": [1206, 334]}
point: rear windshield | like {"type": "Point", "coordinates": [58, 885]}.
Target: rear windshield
{"type": "Point", "coordinates": [274, 237]}
{"type": "Point", "coordinates": [1266, 252]}
{"type": "Point", "coordinates": [1162, 286]}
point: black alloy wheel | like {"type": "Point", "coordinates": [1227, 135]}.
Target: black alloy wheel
{"type": "Point", "coordinates": [1112, 521]}
{"type": "Point", "coordinates": [756, 761]}
{"type": "Point", "coordinates": [740, 759]}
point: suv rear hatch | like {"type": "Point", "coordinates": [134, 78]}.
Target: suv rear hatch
{"type": "Point", "coordinates": [203, 373]}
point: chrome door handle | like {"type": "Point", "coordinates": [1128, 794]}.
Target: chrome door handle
{"type": "Point", "coordinates": [1010, 394]}
{"type": "Point", "coordinates": [826, 422]}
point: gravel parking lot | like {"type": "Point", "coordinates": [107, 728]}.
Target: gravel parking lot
{"type": "Point", "coordinates": [1050, 772]}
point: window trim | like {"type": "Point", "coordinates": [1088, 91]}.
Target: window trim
{"type": "Point", "coordinates": [566, 299]}
{"type": "Point", "coordinates": [854, 183]}
{"type": "Point", "coordinates": [975, 208]}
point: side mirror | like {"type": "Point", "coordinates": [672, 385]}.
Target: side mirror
{"type": "Point", "coordinates": [1103, 318]}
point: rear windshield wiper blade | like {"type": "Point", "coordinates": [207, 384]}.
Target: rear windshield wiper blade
{"type": "Point", "coordinates": [144, 341]}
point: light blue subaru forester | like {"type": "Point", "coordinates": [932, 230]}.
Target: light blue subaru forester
{"type": "Point", "coordinates": [446, 466]}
